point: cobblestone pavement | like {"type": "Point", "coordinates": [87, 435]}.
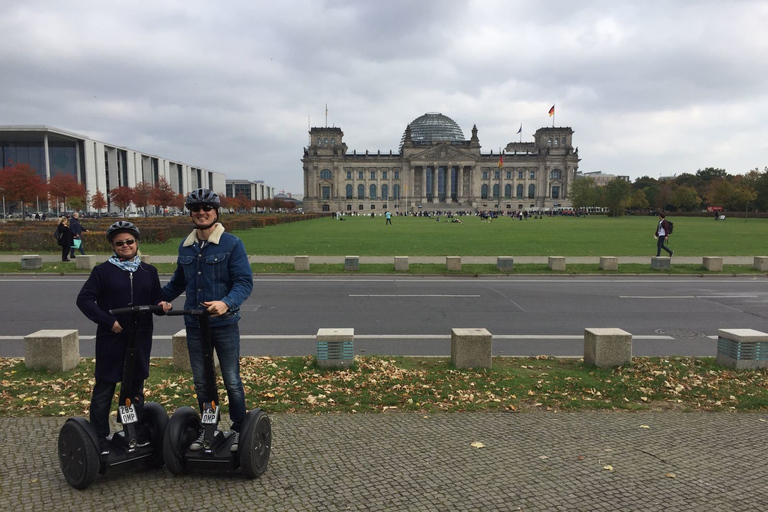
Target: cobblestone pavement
{"type": "Point", "coordinates": [667, 461]}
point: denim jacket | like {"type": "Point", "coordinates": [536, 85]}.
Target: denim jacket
{"type": "Point", "coordinates": [220, 271]}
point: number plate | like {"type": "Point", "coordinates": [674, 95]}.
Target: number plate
{"type": "Point", "coordinates": [210, 416]}
{"type": "Point", "coordinates": [128, 414]}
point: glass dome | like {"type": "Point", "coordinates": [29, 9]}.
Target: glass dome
{"type": "Point", "coordinates": [434, 126]}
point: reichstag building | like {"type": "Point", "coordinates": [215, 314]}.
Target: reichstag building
{"type": "Point", "coordinates": [436, 168]}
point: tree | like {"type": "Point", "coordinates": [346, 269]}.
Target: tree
{"type": "Point", "coordinates": [122, 197]}
{"type": "Point", "coordinates": [584, 193]}
{"type": "Point", "coordinates": [638, 200]}
{"type": "Point", "coordinates": [617, 194]}
{"type": "Point", "coordinates": [63, 187]}
{"type": "Point", "coordinates": [20, 182]}
{"type": "Point", "coordinates": [162, 194]}
{"type": "Point", "coordinates": [178, 201]}
{"type": "Point", "coordinates": [98, 201]}
{"type": "Point", "coordinates": [685, 199]}
{"type": "Point", "coordinates": [142, 194]}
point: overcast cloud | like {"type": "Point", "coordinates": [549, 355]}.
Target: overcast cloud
{"type": "Point", "coordinates": [650, 88]}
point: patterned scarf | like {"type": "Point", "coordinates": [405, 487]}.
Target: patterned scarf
{"type": "Point", "coordinates": [127, 265]}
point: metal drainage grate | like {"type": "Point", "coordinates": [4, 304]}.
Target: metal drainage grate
{"type": "Point", "coordinates": [335, 350]}
{"type": "Point", "coordinates": [680, 333]}
{"type": "Point", "coordinates": [743, 351]}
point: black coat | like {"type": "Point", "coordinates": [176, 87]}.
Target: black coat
{"type": "Point", "coordinates": [110, 287]}
{"type": "Point", "coordinates": [67, 237]}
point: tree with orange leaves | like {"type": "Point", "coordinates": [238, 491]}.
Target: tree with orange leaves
{"type": "Point", "coordinates": [20, 182]}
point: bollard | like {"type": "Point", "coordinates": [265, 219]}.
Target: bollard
{"type": "Point", "coordinates": [301, 263]}
{"type": "Point", "coordinates": [56, 350]}
{"type": "Point", "coordinates": [609, 263]}
{"type": "Point", "coordinates": [145, 258]}
{"type": "Point", "coordinates": [556, 263]}
{"type": "Point", "coordinates": [471, 348]}
{"type": "Point", "coordinates": [761, 263]}
{"type": "Point", "coordinates": [713, 263]}
{"type": "Point", "coordinates": [351, 263]}
{"type": "Point", "coordinates": [453, 263]}
{"type": "Point", "coordinates": [31, 262]}
{"type": "Point", "coordinates": [335, 348]}
{"type": "Point", "coordinates": [505, 263]}
{"type": "Point", "coordinates": [742, 349]}
{"type": "Point", "coordinates": [607, 347]}
{"type": "Point", "coordinates": [87, 262]}
{"type": "Point", "coordinates": [401, 264]}
{"type": "Point", "coordinates": [661, 263]}
{"type": "Point", "coordinates": [181, 352]}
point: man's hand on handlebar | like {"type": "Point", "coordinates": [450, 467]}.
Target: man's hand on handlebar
{"type": "Point", "coordinates": [167, 306]}
{"type": "Point", "coordinates": [216, 307]}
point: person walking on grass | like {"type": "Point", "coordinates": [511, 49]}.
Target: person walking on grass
{"type": "Point", "coordinates": [662, 235]}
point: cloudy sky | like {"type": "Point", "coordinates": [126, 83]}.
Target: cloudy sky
{"type": "Point", "coordinates": [650, 88]}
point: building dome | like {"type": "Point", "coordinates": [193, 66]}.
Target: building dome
{"type": "Point", "coordinates": [434, 126]}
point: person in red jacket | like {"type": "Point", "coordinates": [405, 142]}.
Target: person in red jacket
{"type": "Point", "coordinates": [662, 236]}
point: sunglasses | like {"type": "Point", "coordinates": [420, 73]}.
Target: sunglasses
{"type": "Point", "coordinates": [205, 208]}
{"type": "Point", "coordinates": [121, 243]}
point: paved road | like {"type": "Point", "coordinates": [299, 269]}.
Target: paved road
{"type": "Point", "coordinates": [377, 462]}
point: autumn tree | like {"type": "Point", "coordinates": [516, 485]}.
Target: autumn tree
{"type": "Point", "coordinates": [617, 194]}
{"type": "Point", "coordinates": [685, 198]}
{"type": "Point", "coordinates": [20, 182]}
{"type": "Point", "coordinates": [142, 195]}
{"type": "Point", "coordinates": [62, 188]}
{"type": "Point", "coordinates": [98, 201]}
{"type": "Point", "coordinates": [584, 193]}
{"type": "Point", "coordinates": [162, 194]}
{"type": "Point", "coordinates": [122, 197]}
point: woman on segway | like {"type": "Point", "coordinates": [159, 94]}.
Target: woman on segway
{"type": "Point", "coordinates": [120, 282]}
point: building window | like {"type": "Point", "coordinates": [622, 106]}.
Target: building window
{"type": "Point", "coordinates": [557, 142]}
{"type": "Point", "coordinates": [531, 191]}
{"type": "Point", "coordinates": [533, 174]}
{"type": "Point", "coordinates": [326, 174]}
{"type": "Point", "coordinates": [519, 175]}
{"type": "Point", "coordinates": [507, 192]}
{"type": "Point", "coordinates": [397, 175]}
{"type": "Point", "coordinates": [333, 141]}
{"type": "Point", "coordinates": [496, 175]}
{"type": "Point", "coordinates": [496, 191]}
{"type": "Point", "coordinates": [359, 207]}
{"type": "Point", "coordinates": [326, 193]}
{"type": "Point", "coordinates": [349, 191]}
{"type": "Point", "coordinates": [373, 175]}
{"type": "Point", "coordinates": [361, 192]}
{"type": "Point", "coordinates": [349, 207]}
{"type": "Point", "coordinates": [373, 207]}
{"type": "Point", "coordinates": [326, 208]}
{"type": "Point", "coordinates": [484, 192]}
{"type": "Point", "coordinates": [396, 192]}
{"type": "Point", "coordinates": [372, 192]}
{"type": "Point", "coordinates": [519, 191]}
{"type": "Point", "coordinates": [349, 175]}
{"type": "Point", "coordinates": [384, 191]}
{"type": "Point", "coordinates": [555, 192]}
{"type": "Point", "coordinates": [549, 141]}
{"type": "Point", "coordinates": [562, 143]}
{"type": "Point", "coordinates": [485, 175]}
{"type": "Point", "coordinates": [509, 175]}
{"type": "Point", "coordinates": [360, 175]}
{"type": "Point", "coordinates": [383, 175]}
{"type": "Point", "coordinates": [555, 174]}
{"type": "Point", "coordinates": [319, 141]}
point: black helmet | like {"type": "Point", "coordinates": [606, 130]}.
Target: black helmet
{"type": "Point", "coordinates": [122, 226]}
{"type": "Point", "coordinates": [202, 196]}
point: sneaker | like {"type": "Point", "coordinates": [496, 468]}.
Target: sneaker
{"type": "Point", "coordinates": [233, 448]}
{"type": "Point", "coordinates": [103, 446]}
{"type": "Point", "coordinates": [198, 444]}
{"type": "Point", "coordinates": [671, 254]}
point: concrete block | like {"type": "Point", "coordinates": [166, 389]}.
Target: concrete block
{"type": "Point", "coordinates": [401, 264]}
{"type": "Point", "coordinates": [471, 348]}
{"type": "Point", "coordinates": [742, 349]}
{"type": "Point", "coordinates": [301, 263]}
{"type": "Point", "coordinates": [453, 263]}
{"type": "Point", "coordinates": [505, 263]}
{"type": "Point", "coordinates": [351, 263]}
{"type": "Point", "coordinates": [86, 262]}
{"type": "Point", "coordinates": [661, 262]}
{"type": "Point", "coordinates": [335, 347]}
{"type": "Point", "coordinates": [607, 347]}
{"type": "Point", "coordinates": [556, 263]}
{"type": "Point", "coordinates": [181, 352]}
{"type": "Point", "coordinates": [609, 263]}
{"type": "Point", "coordinates": [31, 262]}
{"type": "Point", "coordinates": [145, 258]}
{"type": "Point", "coordinates": [713, 263]}
{"type": "Point", "coordinates": [761, 263]}
{"type": "Point", "coordinates": [56, 350]}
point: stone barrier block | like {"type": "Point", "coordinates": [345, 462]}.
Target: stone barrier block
{"type": "Point", "coordinates": [31, 262]}
{"type": "Point", "coordinates": [609, 263]}
{"type": "Point", "coordinates": [301, 263]}
{"type": "Point", "coordinates": [453, 263]}
{"type": "Point", "coordinates": [351, 263]}
{"type": "Point", "coordinates": [181, 352]}
{"type": "Point", "coordinates": [661, 263]}
{"type": "Point", "coordinates": [761, 263]}
{"type": "Point", "coordinates": [86, 262]}
{"type": "Point", "coordinates": [607, 347]}
{"type": "Point", "coordinates": [742, 349]}
{"type": "Point", "coordinates": [401, 264]}
{"type": "Point", "coordinates": [335, 347]}
{"type": "Point", "coordinates": [145, 258]}
{"type": "Point", "coordinates": [505, 263]}
{"type": "Point", "coordinates": [556, 263]}
{"type": "Point", "coordinates": [55, 350]}
{"type": "Point", "coordinates": [471, 348]}
{"type": "Point", "coordinates": [713, 263]}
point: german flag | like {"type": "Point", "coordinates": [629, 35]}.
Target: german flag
{"type": "Point", "coordinates": [552, 111]}
{"type": "Point", "coordinates": [501, 160]}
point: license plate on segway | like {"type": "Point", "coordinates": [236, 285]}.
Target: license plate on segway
{"type": "Point", "coordinates": [210, 416]}
{"type": "Point", "coordinates": [128, 414]}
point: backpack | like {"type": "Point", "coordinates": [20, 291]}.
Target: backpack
{"type": "Point", "coordinates": [671, 227]}
{"type": "Point", "coordinates": [57, 234]}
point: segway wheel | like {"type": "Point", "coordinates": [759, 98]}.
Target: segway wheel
{"type": "Point", "coordinates": [78, 455]}
{"type": "Point", "coordinates": [183, 428]}
{"type": "Point", "coordinates": [155, 421]}
{"type": "Point", "coordinates": [256, 445]}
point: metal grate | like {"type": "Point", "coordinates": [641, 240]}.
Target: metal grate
{"type": "Point", "coordinates": [335, 350]}
{"type": "Point", "coordinates": [751, 351]}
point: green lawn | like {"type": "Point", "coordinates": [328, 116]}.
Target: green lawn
{"type": "Point", "coordinates": [562, 236]}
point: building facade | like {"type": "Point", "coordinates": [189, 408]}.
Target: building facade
{"type": "Point", "coordinates": [98, 165]}
{"type": "Point", "coordinates": [600, 178]}
{"type": "Point", "coordinates": [436, 168]}
{"type": "Point", "coordinates": [253, 190]}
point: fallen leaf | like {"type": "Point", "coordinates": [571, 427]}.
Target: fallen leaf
{"type": "Point", "coordinates": [477, 444]}
{"type": "Point", "coordinates": [580, 457]}
{"type": "Point", "coordinates": [608, 467]}
{"type": "Point", "coordinates": [670, 475]}
{"type": "Point", "coordinates": [543, 457]}
{"type": "Point", "coordinates": [644, 426]}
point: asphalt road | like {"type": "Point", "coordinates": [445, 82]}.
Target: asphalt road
{"type": "Point", "coordinates": [405, 315]}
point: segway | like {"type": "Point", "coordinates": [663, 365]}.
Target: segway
{"type": "Point", "coordinates": [184, 427]}
{"type": "Point", "coordinates": [140, 441]}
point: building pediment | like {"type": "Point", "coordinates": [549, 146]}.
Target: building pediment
{"type": "Point", "coordinates": [442, 153]}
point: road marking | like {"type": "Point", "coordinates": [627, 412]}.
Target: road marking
{"type": "Point", "coordinates": [396, 337]}
{"type": "Point", "coordinates": [425, 295]}
{"type": "Point", "coordinates": [688, 296]}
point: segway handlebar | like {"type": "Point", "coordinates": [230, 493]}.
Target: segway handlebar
{"type": "Point", "coordinates": [148, 308]}
{"type": "Point", "coordinates": [194, 312]}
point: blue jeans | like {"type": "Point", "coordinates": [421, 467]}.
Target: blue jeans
{"type": "Point", "coordinates": [101, 403]}
{"type": "Point", "coordinates": [660, 245]}
{"type": "Point", "coordinates": [226, 342]}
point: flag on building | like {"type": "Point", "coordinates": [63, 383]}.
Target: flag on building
{"type": "Point", "coordinates": [552, 111]}
{"type": "Point", "coordinates": [501, 160]}
{"type": "Point", "coordinates": [521, 128]}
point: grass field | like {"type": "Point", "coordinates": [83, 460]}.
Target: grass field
{"type": "Point", "coordinates": [562, 236]}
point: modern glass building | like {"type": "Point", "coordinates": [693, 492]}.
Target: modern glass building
{"type": "Point", "coordinates": [437, 168]}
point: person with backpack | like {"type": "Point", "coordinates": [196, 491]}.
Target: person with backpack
{"type": "Point", "coordinates": [65, 237]}
{"type": "Point", "coordinates": [663, 230]}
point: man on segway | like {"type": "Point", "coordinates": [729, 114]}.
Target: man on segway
{"type": "Point", "coordinates": [121, 281]}
{"type": "Point", "coordinates": [214, 272]}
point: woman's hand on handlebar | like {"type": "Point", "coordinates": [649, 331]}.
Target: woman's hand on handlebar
{"type": "Point", "coordinates": [216, 307]}
{"type": "Point", "coordinates": [116, 327]}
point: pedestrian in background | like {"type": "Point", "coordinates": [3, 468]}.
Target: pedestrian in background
{"type": "Point", "coordinates": [65, 236]}
{"type": "Point", "coordinates": [662, 235]}
{"type": "Point", "coordinates": [77, 231]}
